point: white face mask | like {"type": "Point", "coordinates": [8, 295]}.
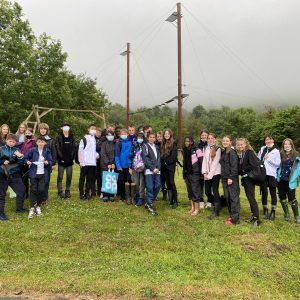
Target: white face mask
{"type": "Point", "coordinates": [287, 148]}
{"type": "Point", "coordinates": [66, 128]}
{"type": "Point", "coordinates": [92, 132]}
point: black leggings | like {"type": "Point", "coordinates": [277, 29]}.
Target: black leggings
{"type": "Point", "coordinates": [212, 190]}
{"type": "Point", "coordinates": [249, 187]}
{"type": "Point", "coordinates": [169, 176]}
{"type": "Point", "coordinates": [284, 191]}
{"type": "Point", "coordinates": [270, 183]}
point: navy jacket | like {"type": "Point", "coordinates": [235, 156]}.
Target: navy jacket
{"type": "Point", "coordinates": [150, 161]}
{"type": "Point", "coordinates": [15, 165]}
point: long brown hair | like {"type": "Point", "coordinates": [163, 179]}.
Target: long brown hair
{"type": "Point", "coordinates": [167, 145]}
{"type": "Point", "coordinates": [292, 155]}
{"type": "Point", "coordinates": [1, 135]}
{"type": "Point", "coordinates": [214, 148]}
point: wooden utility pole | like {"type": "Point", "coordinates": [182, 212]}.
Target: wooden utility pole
{"type": "Point", "coordinates": [179, 133]}
{"type": "Point", "coordinates": [128, 87]}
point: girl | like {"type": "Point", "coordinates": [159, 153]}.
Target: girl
{"type": "Point", "coordinates": [21, 133]}
{"type": "Point", "coordinates": [287, 177]}
{"type": "Point", "coordinates": [248, 163]}
{"type": "Point", "coordinates": [211, 170]}
{"type": "Point", "coordinates": [169, 152]}
{"type": "Point", "coordinates": [4, 131]}
{"type": "Point", "coordinates": [230, 180]}
{"type": "Point", "coordinates": [151, 158]}
{"type": "Point", "coordinates": [270, 155]}
{"type": "Point", "coordinates": [65, 150]}
{"type": "Point", "coordinates": [192, 173]}
{"type": "Point", "coordinates": [202, 146]}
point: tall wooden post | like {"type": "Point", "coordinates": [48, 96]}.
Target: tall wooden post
{"type": "Point", "coordinates": [128, 87]}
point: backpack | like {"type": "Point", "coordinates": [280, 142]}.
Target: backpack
{"type": "Point", "coordinates": [138, 163]}
{"type": "Point", "coordinates": [258, 175]}
{"type": "Point", "coordinates": [76, 158]}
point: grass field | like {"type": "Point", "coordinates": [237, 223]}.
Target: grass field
{"type": "Point", "coordinates": [111, 250]}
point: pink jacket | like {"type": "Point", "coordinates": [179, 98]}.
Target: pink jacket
{"type": "Point", "coordinates": [209, 166]}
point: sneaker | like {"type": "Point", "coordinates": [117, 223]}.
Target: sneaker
{"type": "Point", "coordinates": [105, 199]}
{"type": "Point", "coordinates": [82, 197]}
{"type": "Point", "coordinates": [101, 196]}
{"type": "Point", "coordinates": [208, 205]}
{"type": "Point", "coordinates": [38, 211]}
{"type": "Point", "coordinates": [67, 194]}
{"type": "Point", "coordinates": [201, 205]}
{"type": "Point", "coordinates": [255, 222]}
{"type": "Point", "coordinates": [61, 195]}
{"type": "Point", "coordinates": [251, 219]}
{"type": "Point", "coordinates": [111, 199]}
{"type": "Point", "coordinates": [31, 213]}
{"type": "Point", "coordinates": [151, 210]}
{"type": "Point", "coordinates": [3, 217]}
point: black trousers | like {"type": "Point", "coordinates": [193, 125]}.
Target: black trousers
{"type": "Point", "coordinates": [87, 179]}
{"type": "Point", "coordinates": [193, 187]}
{"type": "Point", "coordinates": [212, 191]}
{"type": "Point", "coordinates": [249, 187]}
{"type": "Point", "coordinates": [124, 176]}
{"type": "Point", "coordinates": [60, 177]}
{"type": "Point", "coordinates": [98, 180]}
{"type": "Point", "coordinates": [37, 185]}
{"type": "Point", "coordinates": [284, 191]}
{"type": "Point", "coordinates": [25, 180]}
{"type": "Point", "coordinates": [232, 196]}
{"type": "Point", "coordinates": [201, 184]}
{"type": "Point", "coordinates": [270, 183]}
{"type": "Point", "coordinates": [169, 176]}
{"type": "Point", "coordinates": [18, 187]}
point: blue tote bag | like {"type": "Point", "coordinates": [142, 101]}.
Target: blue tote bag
{"type": "Point", "coordinates": [109, 182]}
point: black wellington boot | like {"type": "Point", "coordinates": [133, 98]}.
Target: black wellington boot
{"type": "Point", "coordinates": [295, 209]}
{"type": "Point", "coordinates": [266, 213]}
{"type": "Point", "coordinates": [165, 194]}
{"type": "Point", "coordinates": [128, 193]}
{"type": "Point", "coordinates": [285, 208]}
{"type": "Point", "coordinates": [170, 194]}
{"type": "Point", "coordinates": [272, 215]}
{"type": "Point", "coordinates": [175, 200]}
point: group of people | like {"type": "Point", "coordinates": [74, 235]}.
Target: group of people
{"type": "Point", "coordinates": [146, 162]}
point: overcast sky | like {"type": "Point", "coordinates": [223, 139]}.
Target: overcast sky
{"type": "Point", "coordinates": [235, 52]}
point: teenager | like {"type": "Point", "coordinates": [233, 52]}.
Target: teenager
{"type": "Point", "coordinates": [169, 154]}
{"type": "Point", "coordinates": [87, 156]}
{"type": "Point", "coordinates": [211, 170]}
{"type": "Point", "coordinates": [123, 164]}
{"type": "Point", "coordinates": [4, 131]}
{"type": "Point", "coordinates": [192, 173]}
{"type": "Point", "coordinates": [108, 159]}
{"type": "Point", "coordinates": [287, 177]}
{"type": "Point", "coordinates": [230, 180]}
{"type": "Point", "coordinates": [164, 190]}
{"type": "Point", "coordinates": [65, 150]}
{"type": "Point", "coordinates": [100, 138]}
{"type": "Point", "coordinates": [39, 160]}
{"type": "Point", "coordinates": [247, 164]}
{"type": "Point", "coordinates": [21, 134]}
{"type": "Point", "coordinates": [131, 134]}
{"type": "Point", "coordinates": [137, 168]}
{"type": "Point", "coordinates": [202, 146]}
{"type": "Point", "coordinates": [270, 156]}
{"type": "Point", "coordinates": [11, 164]}
{"type": "Point", "coordinates": [151, 158]}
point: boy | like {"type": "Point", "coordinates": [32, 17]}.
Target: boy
{"type": "Point", "coordinates": [39, 159]}
{"type": "Point", "coordinates": [151, 158]}
{"type": "Point", "coordinates": [87, 156]}
{"type": "Point", "coordinates": [11, 165]}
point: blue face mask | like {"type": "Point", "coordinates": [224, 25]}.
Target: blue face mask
{"type": "Point", "coordinates": [139, 141]}
{"type": "Point", "coordinates": [123, 136]}
{"type": "Point", "coordinates": [110, 138]}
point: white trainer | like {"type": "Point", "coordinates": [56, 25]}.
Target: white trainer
{"type": "Point", "coordinates": [31, 213]}
{"type": "Point", "coordinates": [201, 205]}
{"type": "Point", "coordinates": [38, 211]}
{"type": "Point", "coordinates": [208, 205]}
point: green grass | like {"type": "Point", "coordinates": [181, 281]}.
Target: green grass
{"type": "Point", "coordinates": [111, 250]}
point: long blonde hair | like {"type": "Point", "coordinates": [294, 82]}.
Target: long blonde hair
{"type": "Point", "coordinates": [214, 148]}
{"type": "Point", "coordinates": [248, 146]}
{"type": "Point", "coordinates": [2, 137]}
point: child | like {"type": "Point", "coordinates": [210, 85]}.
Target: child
{"type": "Point", "coordinates": [287, 177]}
{"type": "Point", "coordinates": [270, 155]}
{"type": "Point", "coordinates": [4, 131]}
{"type": "Point", "coordinates": [168, 151]}
{"type": "Point", "coordinates": [123, 163]}
{"type": "Point", "coordinates": [21, 134]}
{"type": "Point", "coordinates": [202, 146]}
{"type": "Point", "coordinates": [137, 168]}
{"type": "Point", "coordinates": [100, 138]}
{"type": "Point", "coordinates": [211, 170]}
{"type": "Point", "coordinates": [108, 159]}
{"type": "Point", "coordinates": [151, 158]}
{"type": "Point", "coordinates": [87, 156]}
{"type": "Point", "coordinates": [192, 173]}
{"type": "Point", "coordinates": [11, 164]}
{"type": "Point", "coordinates": [65, 149]}
{"type": "Point", "coordinates": [131, 134]}
{"type": "Point", "coordinates": [230, 180]}
{"type": "Point", "coordinates": [39, 160]}
{"type": "Point", "coordinates": [248, 163]}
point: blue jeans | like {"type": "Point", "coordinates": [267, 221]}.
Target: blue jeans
{"type": "Point", "coordinates": [152, 187]}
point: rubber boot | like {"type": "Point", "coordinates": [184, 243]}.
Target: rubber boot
{"type": "Point", "coordinates": [128, 193]}
{"type": "Point", "coordinates": [165, 194]}
{"type": "Point", "coordinates": [266, 212]}
{"type": "Point", "coordinates": [272, 215]}
{"type": "Point", "coordinates": [285, 208]}
{"type": "Point", "coordinates": [170, 194]}
{"type": "Point", "coordinates": [175, 200]}
{"type": "Point", "coordinates": [295, 209]}
{"type": "Point", "coordinates": [133, 193]}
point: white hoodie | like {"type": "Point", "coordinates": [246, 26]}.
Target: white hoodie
{"type": "Point", "coordinates": [273, 161]}
{"type": "Point", "coordinates": [88, 156]}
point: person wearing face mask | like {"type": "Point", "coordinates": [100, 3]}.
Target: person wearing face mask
{"type": "Point", "coordinates": [29, 144]}
{"type": "Point", "coordinates": [87, 156]}
{"type": "Point", "coordinates": [123, 163]}
{"type": "Point", "coordinates": [287, 177]}
{"type": "Point", "coordinates": [202, 146]}
{"type": "Point", "coordinates": [107, 159]}
{"type": "Point", "coordinates": [65, 149]}
{"type": "Point", "coordinates": [137, 169]}
{"type": "Point", "coordinates": [270, 156]}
